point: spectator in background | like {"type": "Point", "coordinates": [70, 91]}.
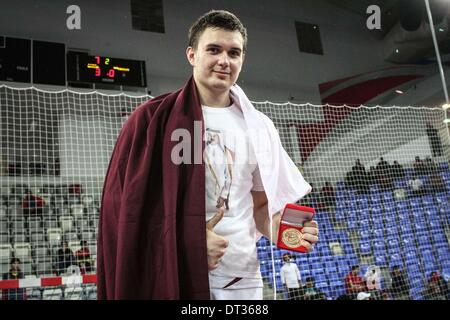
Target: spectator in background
{"type": "Point", "coordinates": [419, 166]}
{"type": "Point", "coordinates": [383, 175]}
{"type": "Point", "coordinates": [373, 278]}
{"type": "Point", "coordinates": [399, 285]}
{"type": "Point", "coordinates": [436, 183]}
{"type": "Point", "coordinates": [83, 256]}
{"type": "Point", "coordinates": [65, 258]}
{"type": "Point", "coordinates": [32, 205]}
{"type": "Point", "coordinates": [416, 185]}
{"type": "Point", "coordinates": [430, 166]}
{"type": "Point", "coordinates": [290, 277]}
{"type": "Point", "coordinates": [439, 280]}
{"type": "Point", "coordinates": [385, 295]}
{"type": "Point", "coordinates": [14, 274]}
{"type": "Point", "coordinates": [371, 176]}
{"type": "Point", "coordinates": [354, 283]}
{"type": "Point", "coordinates": [311, 292]}
{"type": "Point", "coordinates": [434, 140]}
{"type": "Point", "coordinates": [397, 170]}
{"type": "Point", "coordinates": [328, 196]}
{"type": "Point", "coordinates": [357, 178]}
{"type": "Point", "coordinates": [433, 290]}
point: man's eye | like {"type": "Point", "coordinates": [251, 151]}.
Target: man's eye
{"type": "Point", "coordinates": [213, 50]}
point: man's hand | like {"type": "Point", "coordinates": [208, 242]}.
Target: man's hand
{"type": "Point", "coordinates": [310, 235]}
{"type": "Point", "coordinates": [215, 244]}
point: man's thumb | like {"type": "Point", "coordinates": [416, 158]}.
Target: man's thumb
{"type": "Point", "coordinates": [215, 220]}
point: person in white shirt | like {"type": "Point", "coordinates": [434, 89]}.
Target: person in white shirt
{"type": "Point", "coordinates": [416, 185]}
{"type": "Point", "coordinates": [373, 278]}
{"type": "Point", "coordinates": [290, 277]}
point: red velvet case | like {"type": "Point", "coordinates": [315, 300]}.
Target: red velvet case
{"type": "Point", "coordinates": [292, 220]}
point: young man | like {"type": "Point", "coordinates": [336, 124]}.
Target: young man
{"type": "Point", "coordinates": [162, 191]}
{"type": "Point", "coordinates": [290, 277]}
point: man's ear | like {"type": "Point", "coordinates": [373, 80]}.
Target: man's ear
{"type": "Point", "coordinates": [190, 54]}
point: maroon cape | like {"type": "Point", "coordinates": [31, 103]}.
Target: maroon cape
{"type": "Point", "coordinates": [152, 230]}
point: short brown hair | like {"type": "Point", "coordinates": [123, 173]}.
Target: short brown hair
{"type": "Point", "coordinates": [218, 19]}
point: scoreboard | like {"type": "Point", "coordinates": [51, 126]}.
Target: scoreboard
{"type": "Point", "coordinates": [84, 68]}
{"type": "Point", "coordinates": [33, 61]}
{"type": "Point", "coordinates": [15, 59]}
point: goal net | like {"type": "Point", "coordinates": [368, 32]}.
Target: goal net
{"type": "Point", "coordinates": [374, 216]}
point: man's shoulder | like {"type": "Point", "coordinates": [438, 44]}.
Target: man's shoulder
{"type": "Point", "coordinates": [148, 108]}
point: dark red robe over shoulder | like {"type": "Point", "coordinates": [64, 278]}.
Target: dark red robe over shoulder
{"type": "Point", "coordinates": [152, 230]}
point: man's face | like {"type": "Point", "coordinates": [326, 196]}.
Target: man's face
{"type": "Point", "coordinates": [217, 60]}
{"type": "Point", "coordinates": [15, 266]}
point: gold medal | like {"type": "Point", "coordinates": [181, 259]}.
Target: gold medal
{"type": "Point", "coordinates": [291, 237]}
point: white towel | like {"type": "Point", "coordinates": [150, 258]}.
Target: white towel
{"type": "Point", "coordinates": [282, 180]}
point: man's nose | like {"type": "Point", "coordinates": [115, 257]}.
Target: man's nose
{"type": "Point", "coordinates": [224, 59]}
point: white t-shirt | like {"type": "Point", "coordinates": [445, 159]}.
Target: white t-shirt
{"type": "Point", "coordinates": [290, 275]}
{"type": "Point", "coordinates": [231, 174]}
{"type": "Point", "coordinates": [415, 184]}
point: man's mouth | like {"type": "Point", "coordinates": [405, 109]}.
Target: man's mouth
{"type": "Point", "coordinates": [222, 72]}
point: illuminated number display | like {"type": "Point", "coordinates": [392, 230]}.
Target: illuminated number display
{"type": "Point", "coordinates": [85, 68]}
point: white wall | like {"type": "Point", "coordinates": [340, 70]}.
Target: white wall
{"type": "Point", "coordinates": [274, 70]}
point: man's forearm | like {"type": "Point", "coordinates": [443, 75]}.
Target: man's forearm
{"type": "Point", "coordinates": [263, 223]}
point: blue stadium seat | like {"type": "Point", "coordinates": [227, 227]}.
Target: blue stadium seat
{"type": "Point", "coordinates": [425, 247]}
{"type": "Point", "coordinates": [305, 273]}
{"type": "Point", "coordinates": [428, 256]}
{"type": "Point", "coordinates": [364, 224]}
{"type": "Point", "coordinates": [418, 216]}
{"type": "Point", "coordinates": [391, 230]}
{"type": "Point", "coordinates": [423, 240]}
{"type": "Point", "coordinates": [405, 229]}
{"type": "Point", "coordinates": [365, 235]}
{"type": "Point", "coordinates": [395, 259]}
{"type": "Point", "coordinates": [316, 265]}
{"type": "Point", "coordinates": [416, 293]}
{"type": "Point", "coordinates": [330, 267]}
{"type": "Point", "coordinates": [442, 198]}
{"type": "Point", "coordinates": [352, 258]}
{"type": "Point", "coordinates": [428, 200]}
{"type": "Point", "coordinates": [276, 253]}
{"type": "Point", "coordinates": [262, 255]}
{"type": "Point", "coordinates": [352, 225]}
{"type": "Point", "coordinates": [379, 245]}
{"type": "Point", "coordinates": [392, 241]}
{"type": "Point", "coordinates": [408, 240]}
{"type": "Point", "coordinates": [415, 202]}
{"type": "Point", "coordinates": [378, 232]}
{"type": "Point", "coordinates": [404, 215]}
{"type": "Point", "coordinates": [380, 259]}
{"type": "Point", "coordinates": [337, 287]}
{"type": "Point", "coordinates": [420, 227]}
{"type": "Point", "coordinates": [443, 253]}
{"type": "Point", "coordinates": [365, 247]}
{"type": "Point", "coordinates": [444, 166]}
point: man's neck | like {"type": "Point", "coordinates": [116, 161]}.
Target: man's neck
{"type": "Point", "coordinates": [213, 99]}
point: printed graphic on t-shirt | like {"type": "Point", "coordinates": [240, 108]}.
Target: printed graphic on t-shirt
{"type": "Point", "coordinates": [219, 159]}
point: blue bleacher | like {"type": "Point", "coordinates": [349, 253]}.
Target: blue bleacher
{"type": "Point", "coordinates": [409, 233]}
